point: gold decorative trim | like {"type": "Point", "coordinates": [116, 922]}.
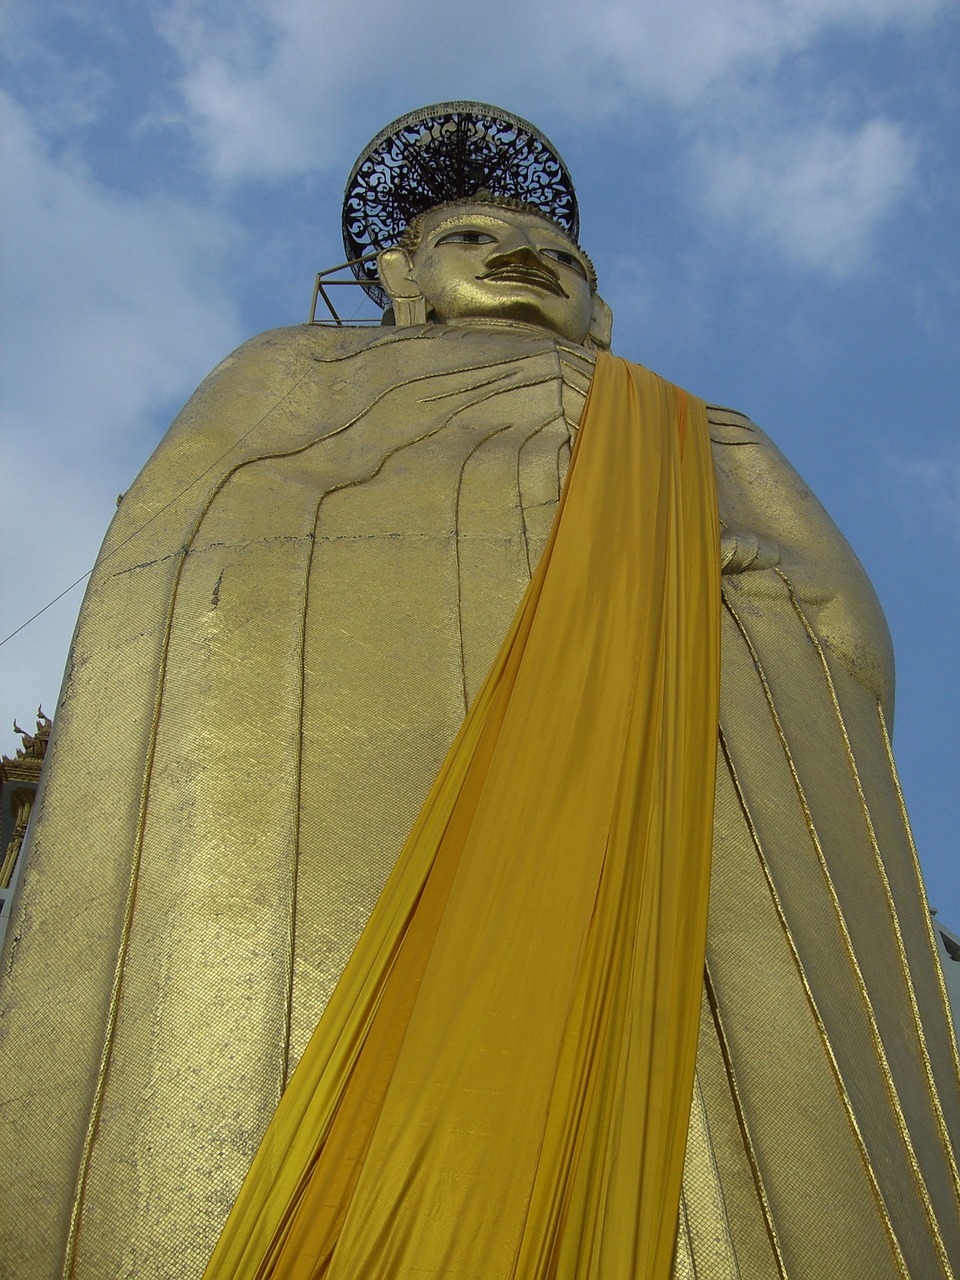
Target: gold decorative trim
{"type": "Point", "coordinates": [941, 981]}
{"type": "Point", "coordinates": [821, 1026]}
{"type": "Point", "coordinates": [888, 893]}
{"type": "Point", "coordinates": [738, 1106]}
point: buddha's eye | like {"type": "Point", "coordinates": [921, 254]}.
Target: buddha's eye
{"type": "Point", "coordinates": [566, 259]}
{"type": "Point", "coordinates": [466, 236]}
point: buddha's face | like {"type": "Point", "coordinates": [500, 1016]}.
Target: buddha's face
{"type": "Point", "coordinates": [481, 261]}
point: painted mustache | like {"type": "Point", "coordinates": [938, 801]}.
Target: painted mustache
{"type": "Point", "coordinates": [528, 274]}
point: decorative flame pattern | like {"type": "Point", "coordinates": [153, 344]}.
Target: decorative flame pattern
{"type": "Point", "coordinates": [441, 153]}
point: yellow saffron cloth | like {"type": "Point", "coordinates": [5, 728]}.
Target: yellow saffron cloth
{"type": "Point", "coordinates": [500, 1086]}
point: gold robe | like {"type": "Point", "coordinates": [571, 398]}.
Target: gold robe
{"type": "Point", "coordinates": [293, 608]}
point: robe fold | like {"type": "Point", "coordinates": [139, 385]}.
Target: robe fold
{"type": "Point", "coordinates": [501, 1082]}
{"type": "Point", "coordinates": [296, 603]}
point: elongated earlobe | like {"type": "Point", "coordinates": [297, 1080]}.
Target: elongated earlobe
{"type": "Point", "coordinates": [409, 304]}
{"type": "Point", "coordinates": [601, 326]}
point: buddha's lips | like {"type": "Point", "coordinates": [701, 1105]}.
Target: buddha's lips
{"type": "Point", "coordinates": [539, 279]}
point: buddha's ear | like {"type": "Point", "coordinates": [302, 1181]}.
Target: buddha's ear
{"type": "Point", "coordinates": [601, 325]}
{"type": "Point", "coordinates": [409, 305]}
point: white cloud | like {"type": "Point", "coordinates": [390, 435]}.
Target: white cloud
{"type": "Point", "coordinates": [143, 273]}
{"type": "Point", "coordinates": [116, 305]}
{"type": "Point", "coordinates": [930, 486]}
{"type": "Point", "coordinates": [112, 308]}
{"type": "Point", "coordinates": [267, 85]}
{"type": "Point", "coordinates": [67, 92]}
{"type": "Point", "coordinates": [268, 89]}
{"type": "Point", "coordinates": [816, 194]}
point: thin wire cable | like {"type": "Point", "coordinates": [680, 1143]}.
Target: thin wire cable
{"type": "Point", "coordinates": [136, 532]}
{"type": "Point", "coordinates": [48, 605]}
{"type": "Point", "coordinates": [83, 577]}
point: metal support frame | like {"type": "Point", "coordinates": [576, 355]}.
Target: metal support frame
{"type": "Point", "coordinates": [321, 284]}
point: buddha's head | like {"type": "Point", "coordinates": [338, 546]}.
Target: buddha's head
{"type": "Point", "coordinates": [494, 259]}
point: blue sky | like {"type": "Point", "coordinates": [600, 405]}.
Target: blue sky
{"type": "Point", "coordinates": [769, 189]}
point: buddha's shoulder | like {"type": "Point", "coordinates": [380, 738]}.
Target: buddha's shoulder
{"type": "Point", "coordinates": [303, 342]}
{"type": "Point", "coordinates": [330, 345]}
{"type": "Point", "coordinates": [728, 426]}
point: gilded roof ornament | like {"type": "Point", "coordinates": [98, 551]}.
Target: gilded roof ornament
{"type": "Point", "coordinates": [442, 153]}
{"type": "Point", "coordinates": [21, 774]}
{"type": "Point", "coordinates": [26, 764]}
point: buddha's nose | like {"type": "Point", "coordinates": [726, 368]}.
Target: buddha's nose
{"type": "Point", "coordinates": [517, 248]}
{"type": "Point", "coordinates": [516, 240]}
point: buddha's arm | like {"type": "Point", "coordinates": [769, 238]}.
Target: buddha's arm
{"type": "Point", "coordinates": [774, 531]}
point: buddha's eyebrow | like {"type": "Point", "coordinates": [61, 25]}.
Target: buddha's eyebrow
{"type": "Point", "coordinates": [489, 222]}
{"type": "Point", "coordinates": [467, 224]}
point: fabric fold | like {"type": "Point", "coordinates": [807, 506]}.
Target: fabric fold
{"type": "Point", "coordinates": [501, 1082]}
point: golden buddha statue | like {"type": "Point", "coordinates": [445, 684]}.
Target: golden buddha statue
{"type": "Point", "coordinates": [294, 608]}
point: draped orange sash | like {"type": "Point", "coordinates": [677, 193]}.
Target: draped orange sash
{"type": "Point", "coordinates": [500, 1085]}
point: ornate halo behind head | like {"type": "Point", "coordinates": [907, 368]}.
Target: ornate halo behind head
{"type": "Point", "coordinates": [447, 152]}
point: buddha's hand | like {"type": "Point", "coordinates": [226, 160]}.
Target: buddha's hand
{"type": "Point", "coordinates": [741, 550]}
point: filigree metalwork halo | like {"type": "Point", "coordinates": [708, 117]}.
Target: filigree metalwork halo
{"type": "Point", "coordinates": [449, 151]}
